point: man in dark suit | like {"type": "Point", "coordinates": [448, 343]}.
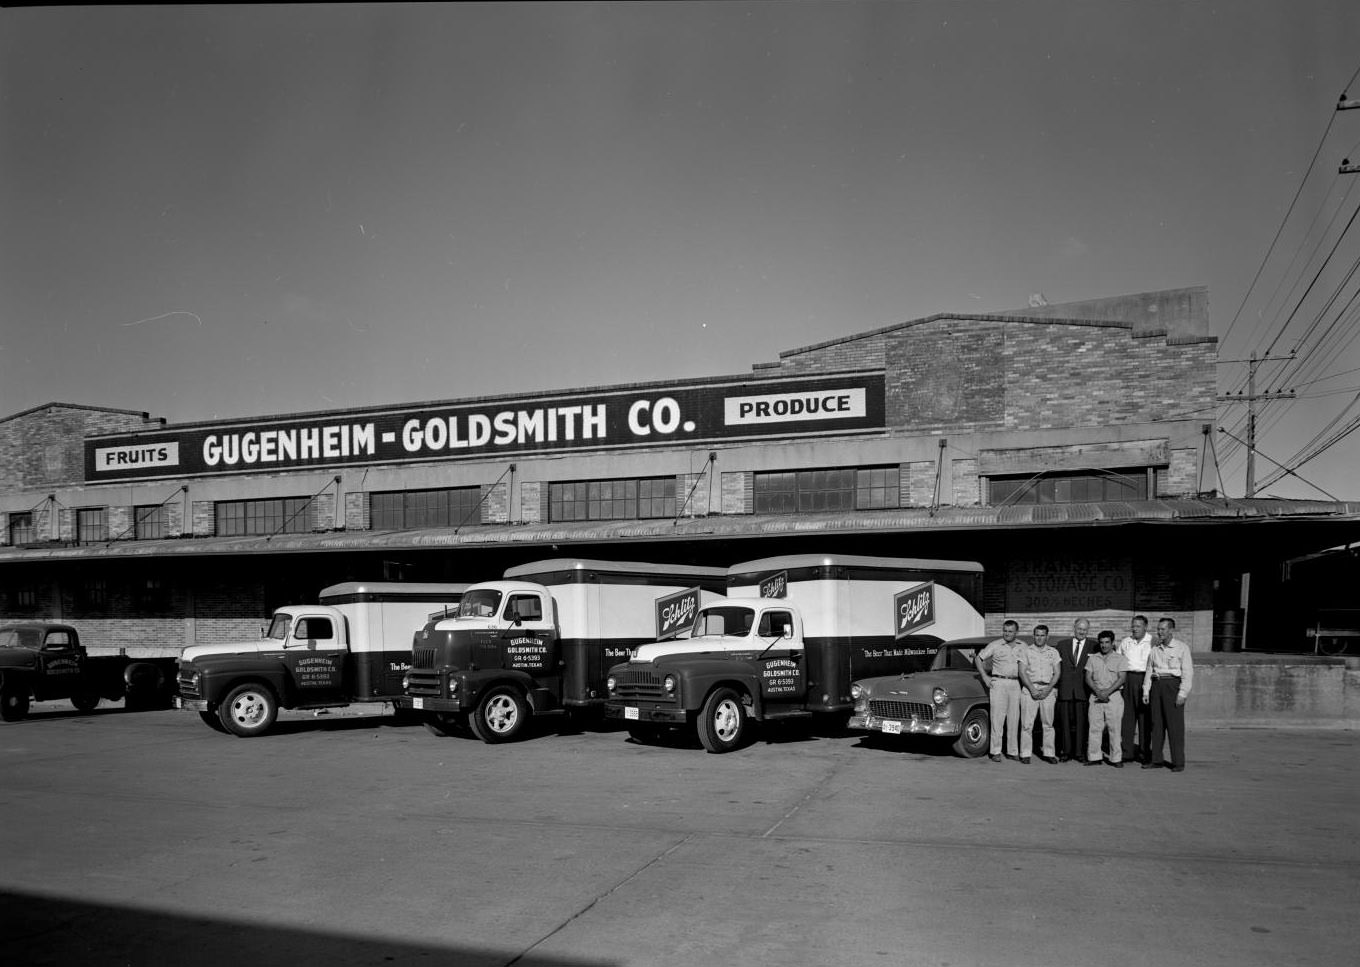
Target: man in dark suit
{"type": "Point", "coordinates": [1072, 691]}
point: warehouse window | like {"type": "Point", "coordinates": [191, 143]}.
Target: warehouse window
{"type": "Point", "coordinates": [152, 596]}
{"type": "Point", "coordinates": [410, 509]}
{"type": "Point", "coordinates": [612, 499]}
{"type": "Point", "coordinates": [92, 525]}
{"type": "Point", "coordinates": [837, 488]}
{"type": "Point", "coordinates": [150, 522]}
{"type": "Point", "coordinates": [92, 595]}
{"type": "Point", "coordinates": [1084, 486]}
{"type": "Point", "coordinates": [286, 515]}
{"type": "Point", "coordinates": [21, 527]}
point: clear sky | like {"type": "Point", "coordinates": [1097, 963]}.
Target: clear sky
{"type": "Point", "coordinates": [232, 211]}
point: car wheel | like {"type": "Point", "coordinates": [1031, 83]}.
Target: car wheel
{"type": "Point", "coordinates": [248, 710]}
{"type": "Point", "coordinates": [500, 715]}
{"type": "Point", "coordinates": [976, 735]}
{"type": "Point", "coordinates": [13, 704]}
{"type": "Point", "coordinates": [722, 721]}
{"type": "Point", "coordinates": [211, 720]}
{"type": "Point", "coordinates": [85, 701]}
{"type": "Point", "coordinates": [444, 724]}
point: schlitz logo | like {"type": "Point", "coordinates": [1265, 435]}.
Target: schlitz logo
{"type": "Point", "coordinates": [913, 609]}
{"type": "Point", "coordinates": [675, 613]}
{"type": "Point", "coordinates": [775, 586]}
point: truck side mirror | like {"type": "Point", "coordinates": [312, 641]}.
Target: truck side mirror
{"type": "Point", "coordinates": [788, 631]}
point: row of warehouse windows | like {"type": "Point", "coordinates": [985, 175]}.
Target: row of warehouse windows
{"type": "Point", "coordinates": [775, 492]}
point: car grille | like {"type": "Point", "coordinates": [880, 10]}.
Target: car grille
{"type": "Point", "coordinates": [885, 709]}
{"type": "Point", "coordinates": [424, 684]}
{"type": "Point", "coordinates": [638, 684]}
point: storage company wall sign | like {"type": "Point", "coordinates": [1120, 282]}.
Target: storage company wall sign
{"type": "Point", "coordinates": [665, 416]}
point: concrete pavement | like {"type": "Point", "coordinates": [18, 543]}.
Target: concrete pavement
{"type": "Point", "coordinates": [146, 838]}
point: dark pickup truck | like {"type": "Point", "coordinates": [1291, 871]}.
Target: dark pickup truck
{"type": "Point", "coordinates": [41, 661]}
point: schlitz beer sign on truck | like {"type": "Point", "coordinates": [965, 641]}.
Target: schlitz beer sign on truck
{"type": "Point", "coordinates": [791, 636]}
{"type": "Point", "coordinates": [695, 413]}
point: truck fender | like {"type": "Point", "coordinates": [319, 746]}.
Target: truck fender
{"type": "Point", "coordinates": [478, 686]}
{"type": "Point", "coordinates": [17, 679]}
{"type": "Point", "coordinates": [697, 683]}
{"type": "Point", "coordinates": [220, 682]}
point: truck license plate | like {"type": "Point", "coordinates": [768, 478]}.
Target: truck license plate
{"type": "Point", "coordinates": [892, 728]}
{"type": "Point", "coordinates": [178, 702]}
{"type": "Point", "coordinates": [417, 703]}
{"type": "Point", "coordinates": [630, 713]}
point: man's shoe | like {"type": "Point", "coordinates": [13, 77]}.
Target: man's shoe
{"type": "Point", "coordinates": [1152, 765]}
{"type": "Point", "coordinates": [1024, 760]}
{"type": "Point", "coordinates": [1178, 768]}
{"type": "Point", "coordinates": [1092, 762]}
{"type": "Point", "coordinates": [995, 758]}
{"type": "Point", "coordinates": [1050, 759]}
{"type": "Point", "coordinates": [1117, 765]}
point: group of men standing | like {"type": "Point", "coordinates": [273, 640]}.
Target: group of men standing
{"type": "Point", "coordinates": [1095, 701]}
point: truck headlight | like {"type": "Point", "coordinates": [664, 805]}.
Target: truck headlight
{"type": "Point", "coordinates": [939, 696]}
{"type": "Point", "coordinates": [610, 683]}
{"type": "Point", "coordinates": [856, 691]}
{"type": "Point", "coordinates": [453, 687]}
{"type": "Point", "coordinates": [405, 682]}
{"type": "Point", "coordinates": [669, 683]}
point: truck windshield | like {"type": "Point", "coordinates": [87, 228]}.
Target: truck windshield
{"type": "Point", "coordinates": [725, 622]}
{"type": "Point", "coordinates": [18, 638]}
{"type": "Point", "coordinates": [482, 603]}
{"type": "Point", "coordinates": [278, 628]}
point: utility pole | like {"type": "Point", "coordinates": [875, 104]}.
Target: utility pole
{"type": "Point", "coordinates": [1250, 399]}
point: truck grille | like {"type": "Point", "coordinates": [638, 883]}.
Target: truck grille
{"type": "Point", "coordinates": [638, 684]}
{"type": "Point", "coordinates": [903, 711]}
{"type": "Point", "coordinates": [422, 683]}
{"type": "Point", "coordinates": [422, 657]}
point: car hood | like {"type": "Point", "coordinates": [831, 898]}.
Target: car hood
{"type": "Point", "coordinates": [256, 647]}
{"type": "Point", "coordinates": [703, 645]}
{"type": "Point", "coordinates": [917, 683]}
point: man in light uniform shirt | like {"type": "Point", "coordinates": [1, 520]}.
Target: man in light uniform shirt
{"type": "Point", "coordinates": [1166, 686]}
{"type": "Point", "coordinates": [1137, 716]}
{"type": "Point", "coordinates": [1003, 686]}
{"type": "Point", "coordinates": [1038, 694]}
{"type": "Point", "coordinates": [1105, 679]}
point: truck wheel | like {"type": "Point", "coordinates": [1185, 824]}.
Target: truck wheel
{"type": "Point", "coordinates": [211, 720]}
{"type": "Point", "coordinates": [248, 710]}
{"type": "Point", "coordinates": [85, 701]}
{"type": "Point", "coordinates": [976, 736]}
{"type": "Point", "coordinates": [13, 704]}
{"type": "Point", "coordinates": [722, 721]}
{"type": "Point", "coordinates": [444, 724]}
{"type": "Point", "coordinates": [500, 715]}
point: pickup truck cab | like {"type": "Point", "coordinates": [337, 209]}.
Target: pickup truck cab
{"type": "Point", "coordinates": [41, 661]}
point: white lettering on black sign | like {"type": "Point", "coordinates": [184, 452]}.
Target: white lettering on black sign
{"type": "Point", "coordinates": [775, 586]}
{"type": "Point", "coordinates": [913, 609]}
{"type": "Point", "coordinates": [675, 613]}
{"type": "Point", "coordinates": [780, 676]}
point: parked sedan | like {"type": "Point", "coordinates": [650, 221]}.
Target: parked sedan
{"type": "Point", "coordinates": [948, 701]}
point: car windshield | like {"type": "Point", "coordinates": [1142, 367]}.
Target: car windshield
{"type": "Point", "coordinates": [482, 603]}
{"type": "Point", "coordinates": [278, 628]}
{"type": "Point", "coordinates": [18, 638]}
{"type": "Point", "coordinates": [725, 622]}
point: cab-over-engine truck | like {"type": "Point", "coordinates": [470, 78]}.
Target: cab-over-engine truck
{"type": "Point", "coordinates": [541, 640]}
{"type": "Point", "coordinates": [789, 639]}
{"type": "Point", "coordinates": [353, 646]}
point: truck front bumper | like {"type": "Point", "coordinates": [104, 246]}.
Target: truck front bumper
{"type": "Point", "coordinates": [423, 703]}
{"type": "Point", "coordinates": [637, 712]}
{"type": "Point", "coordinates": [192, 704]}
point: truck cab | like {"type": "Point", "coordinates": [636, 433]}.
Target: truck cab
{"type": "Point", "coordinates": [40, 661]}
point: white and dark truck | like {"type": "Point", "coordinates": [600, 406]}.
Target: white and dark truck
{"type": "Point", "coordinates": [354, 645]}
{"type": "Point", "coordinates": [791, 636]}
{"type": "Point", "coordinates": [542, 639]}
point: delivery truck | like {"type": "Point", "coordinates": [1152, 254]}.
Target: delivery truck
{"type": "Point", "coordinates": [354, 645]}
{"type": "Point", "coordinates": [540, 640]}
{"type": "Point", "coordinates": [788, 640]}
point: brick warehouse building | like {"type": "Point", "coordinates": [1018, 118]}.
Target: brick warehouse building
{"type": "Point", "coordinates": [1064, 447]}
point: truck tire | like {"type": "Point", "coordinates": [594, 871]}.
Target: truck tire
{"type": "Point", "coordinates": [722, 721]}
{"type": "Point", "coordinates": [444, 724]}
{"type": "Point", "coordinates": [500, 715]}
{"type": "Point", "coordinates": [13, 704]}
{"type": "Point", "coordinates": [976, 735]}
{"type": "Point", "coordinates": [248, 710]}
{"type": "Point", "coordinates": [85, 701]}
{"type": "Point", "coordinates": [211, 720]}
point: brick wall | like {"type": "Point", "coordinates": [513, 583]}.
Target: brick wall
{"type": "Point", "coordinates": [45, 447]}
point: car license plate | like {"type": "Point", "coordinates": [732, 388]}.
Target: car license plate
{"type": "Point", "coordinates": [892, 728]}
{"type": "Point", "coordinates": [417, 703]}
{"type": "Point", "coordinates": [630, 713]}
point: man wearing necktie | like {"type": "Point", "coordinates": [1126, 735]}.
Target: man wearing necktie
{"type": "Point", "coordinates": [1072, 691]}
